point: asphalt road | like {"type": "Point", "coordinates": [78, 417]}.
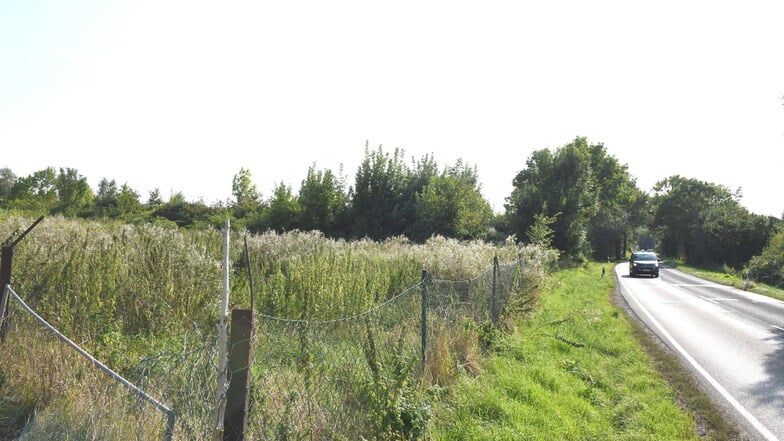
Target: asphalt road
{"type": "Point", "coordinates": [731, 339]}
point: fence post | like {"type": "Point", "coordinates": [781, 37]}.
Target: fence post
{"type": "Point", "coordinates": [220, 393]}
{"type": "Point", "coordinates": [5, 281]}
{"type": "Point", "coordinates": [494, 312]}
{"type": "Point", "coordinates": [424, 319]}
{"type": "Point", "coordinates": [7, 258]}
{"type": "Point", "coordinates": [235, 422]}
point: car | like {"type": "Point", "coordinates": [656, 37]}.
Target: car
{"type": "Point", "coordinates": [644, 262]}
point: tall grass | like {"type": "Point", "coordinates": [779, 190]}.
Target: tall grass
{"type": "Point", "coordinates": [145, 299]}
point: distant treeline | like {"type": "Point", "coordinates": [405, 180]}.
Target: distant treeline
{"type": "Point", "coordinates": [577, 199]}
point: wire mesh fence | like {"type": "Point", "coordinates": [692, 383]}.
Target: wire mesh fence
{"type": "Point", "coordinates": [367, 376]}
{"type": "Point", "coordinates": [67, 395]}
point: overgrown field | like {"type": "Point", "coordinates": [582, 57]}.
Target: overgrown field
{"type": "Point", "coordinates": [146, 299]}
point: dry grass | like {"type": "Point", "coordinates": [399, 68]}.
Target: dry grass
{"type": "Point", "coordinates": [145, 300]}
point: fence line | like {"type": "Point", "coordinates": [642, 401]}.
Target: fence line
{"type": "Point", "coordinates": [348, 378]}
{"type": "Point", "coordinates": [117, 377]}
{"type": "Point", "coordinates": [367, 374]}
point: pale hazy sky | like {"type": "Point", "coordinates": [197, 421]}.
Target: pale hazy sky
{"type": "Point", "coordinates": [180, 94]}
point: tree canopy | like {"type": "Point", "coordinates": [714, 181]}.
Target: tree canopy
{"type": "Point", "coordinates": [577, 199]}
{"type": "Point", "coordinates": [583, 196]}
{"type": "Point", "coordinates": [704, 222]}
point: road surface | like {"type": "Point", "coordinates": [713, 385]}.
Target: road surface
{"type": "Point", "coordinates": [731, 339]}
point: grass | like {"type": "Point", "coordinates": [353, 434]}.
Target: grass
{"type": "Point", "coordinates": [728, 277]}
{"type": "Point", "coordinates": [575, 370]}
{"type": "Point", "coordinates": [144, 299]}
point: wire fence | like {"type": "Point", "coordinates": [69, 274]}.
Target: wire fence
{"type": "Point", "coordinates": [74, 396]}
{"type": "Point", "coordinates": [368, 376]}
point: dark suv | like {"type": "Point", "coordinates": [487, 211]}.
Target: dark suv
{"type": "Point", "coordinates": [644, 262]}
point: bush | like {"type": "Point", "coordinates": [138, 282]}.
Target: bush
{"type": "Point", "coordinates": [769, 266]}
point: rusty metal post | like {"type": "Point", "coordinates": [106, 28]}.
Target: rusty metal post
{"type": "Point", "coordinates": [235, 422]}
{"type": "Point", "coordinates": [5, 275]}
{"type": "Point", "coordinates": [5, 280]}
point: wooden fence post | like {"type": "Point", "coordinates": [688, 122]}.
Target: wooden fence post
{"type": "Point", "coordinates": [235, 422]}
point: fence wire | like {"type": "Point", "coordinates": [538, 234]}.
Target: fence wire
{"type": "Point", "coordinates": [323, 380]}
{"type": "Point", "coordinates": [361, 377]}
{"type": "Point", "coordinates": [64, 395]}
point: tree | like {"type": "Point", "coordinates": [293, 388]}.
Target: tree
{"type": "Point", "coordinates": [185, 214]}
{"type": "Point", "coordinates": [323, 203]}
{"type": "Point", "coordinates": [583, 194]}
{"type": "Point", "coordinates": [422, 174]}
{"type": "Point", "coordinates": [732, 235]}
{"type": "Point", "coordinates": [681, 205]}
{"type": "Point", "coordinates": [244, 190]}
{"type": "Point", "coordinates": [112, 202]}
{"type": "Point", "coordinates": [154, 199]}
{"type": "Point", "coordinates": [768, 267]}
{"type": "Point", "coordinates": [559, 182]}
{"type": "Point", "coordinates": [75, 197]}
{"type": "Point", "coordinates": [128, 204]}
{"type": "Point", "coordinates": [106, 198]}
{"type": "Point", "coordinates": [379, 200]}
{"type": "Point", "coordinates": [541, 232]}
{"type": "Point", "coordinates": [621, 205]}
{"type": "Point", "coordinates": [452, 205]}
{"type": "Point", "coordinates": [36, 192]}
{"type": "Point", "coordinates": [283, 211]}
{"type": "Point", "coordinates": [7, 181]}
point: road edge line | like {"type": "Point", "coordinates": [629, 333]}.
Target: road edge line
{"type": "Point", "coordinates": [719, 388]}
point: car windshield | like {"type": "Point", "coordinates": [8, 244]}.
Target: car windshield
{"type": "Point", "coordinates": [645, 256]}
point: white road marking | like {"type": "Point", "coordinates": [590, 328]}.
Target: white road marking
{"type": "Point", "coordinates": [690, 284]}
{"type": "Point", "coordinates": [719, 388]}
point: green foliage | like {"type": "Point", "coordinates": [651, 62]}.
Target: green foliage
{"type": "Point", "coordinates": [7, 181]}
{"type": "Point", "coordinates": [388, 199]}
{"type": "Point", "coordinates": [452, 205]}
{"type": "Point", "coordinates": [244, 190]}
{"type": "Point", "coordinates": [768, 267]}
{"type": "Point", "coordinates": [573, 370]}
{"type": "Point", "coordinates": [324, 203]}
{"type": "Point", "coordinates": [131, 292]}
{"type": "Point", "coordinates": [541, 232]}
{"type": "Point", "coordinates": [379, 200]}
{"type": "Point", "coordinates": [35, 193]}
{"type": "Point", "coordinates": [399, 408]}
{"type": "Point", "coordinates": [185, 214]}
{"type": "Point", "coordinates": [74, 195]}
{"type": "Point", "coordinates": [704, 223]}
{"type": "Point", "coordinates": [587, 194]}
{"type": "Point", "coordinates": [283, 211]}
{"type": "Point", "coordinates": [94, 278]}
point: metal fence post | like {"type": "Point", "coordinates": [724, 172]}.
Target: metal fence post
{"type": "Point", "coordinates": [424, 319]}
{"type": "Point", "coordinates": [7, 258]}
{"type": "Point", "coordinates": [5, 281]}
{"type": "Point", "coordinates": [220, 393]}
{"type": "Point", "coordinates": [494, 311]}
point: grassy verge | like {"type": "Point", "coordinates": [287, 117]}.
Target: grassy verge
{"type": "Point", "coordinates": [727, 277]}
{"type": "Point", "coordinates": [575, 370]}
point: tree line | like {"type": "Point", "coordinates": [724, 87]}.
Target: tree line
{"type": "Point", "coordinates": [577, 199]}
{"type": "Point", "coordinates": [388, 198]}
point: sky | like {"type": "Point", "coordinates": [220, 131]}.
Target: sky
{"type": "Point", "coordinates": [179, 95]}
